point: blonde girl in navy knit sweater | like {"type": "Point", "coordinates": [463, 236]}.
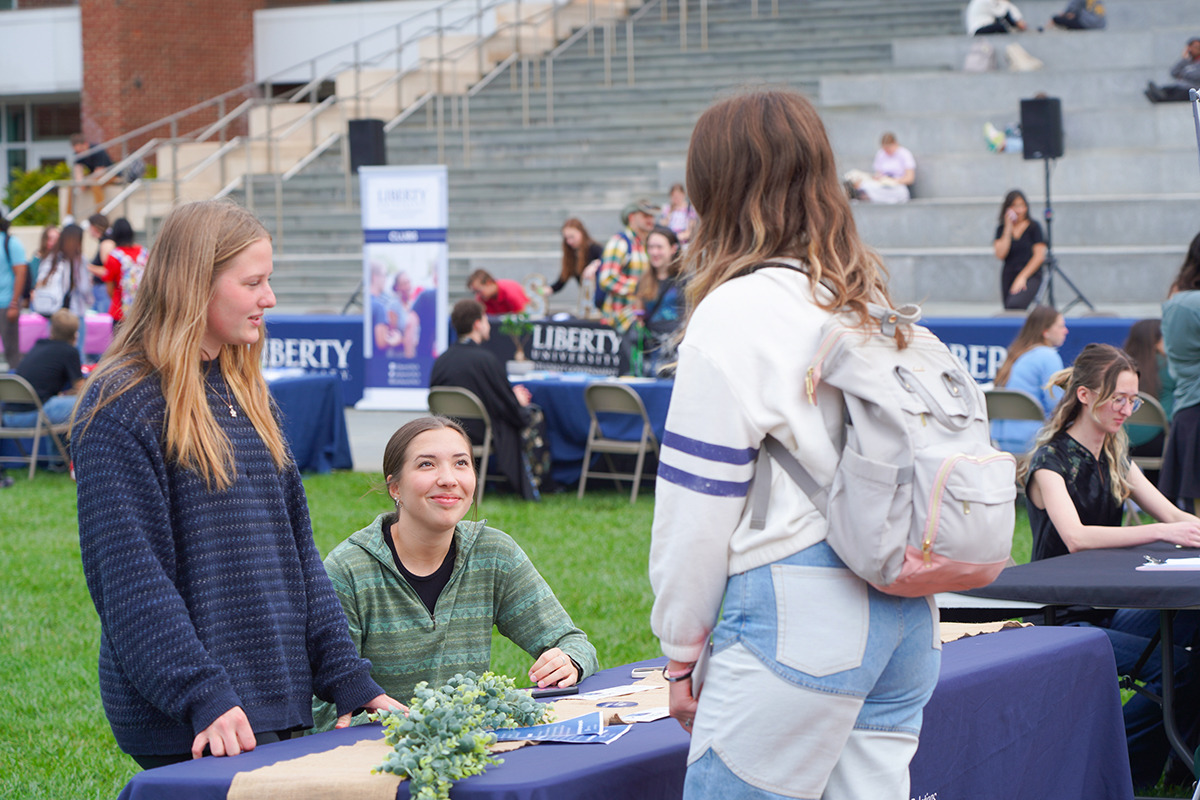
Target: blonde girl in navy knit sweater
{"type": "Point", "coordinates": [218, 622]}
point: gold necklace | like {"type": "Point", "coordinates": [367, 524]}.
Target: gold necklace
{"type": "Point", "coordinates": [227, 400]}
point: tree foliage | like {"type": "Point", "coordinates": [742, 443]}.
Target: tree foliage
{"type": "Point", "coordinates": [22, 184]}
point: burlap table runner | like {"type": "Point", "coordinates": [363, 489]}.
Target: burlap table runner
{"type": "Point", "coordinates": [338, 774]}
{"type": "Point", "coordinates": [961, 630]}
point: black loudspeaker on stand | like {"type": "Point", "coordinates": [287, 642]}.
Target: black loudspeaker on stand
{"type": "Point", "coordinates": [1041, 128]}
{"type": "Point", "coordinates": [368, 146]}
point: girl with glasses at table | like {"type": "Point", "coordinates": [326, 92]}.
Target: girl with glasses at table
{"type": "Point", "coordinates": [217, 620]}
{"type": "Point", "coordinates": [422, 587]}
{"type": "Point", "coordinates": [817, 681]}
{"type": "Point", "coordinates": [1076, 483]}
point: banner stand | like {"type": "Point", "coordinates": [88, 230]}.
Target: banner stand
{"type": "Point", "coordinates": [405, 268]}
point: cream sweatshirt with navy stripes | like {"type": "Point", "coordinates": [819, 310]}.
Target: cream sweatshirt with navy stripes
{"type": "Point", "coordinates": [741, 375]}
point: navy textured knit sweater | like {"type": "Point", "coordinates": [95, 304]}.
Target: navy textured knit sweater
{"type": "Point", "coordinates": [207, 599]}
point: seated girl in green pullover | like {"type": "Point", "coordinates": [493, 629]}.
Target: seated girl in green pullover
{"type": "Point", "coordinates": [422, 587]}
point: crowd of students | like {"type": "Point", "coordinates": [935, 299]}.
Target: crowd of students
{"type": "Point", "coordinates": [185, 481]}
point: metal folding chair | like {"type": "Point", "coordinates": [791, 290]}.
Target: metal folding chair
{"type": "Point", "coordinates": [1151, 413]}
{"type": "Point", "coordinates": [463, 404]}
{"type": "Point", "coordinates": [1012, 404]}
{"type": "Point", "coordinates": [15, 389]}
{"type": "Point", "coordinates": [615, 398]}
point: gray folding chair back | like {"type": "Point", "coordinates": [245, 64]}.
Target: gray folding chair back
{"type": "Point", "coordinates": [615, 398]}
{"type": "Point", "coordinates": [1012, 404]}
{"type": "Point", "coordinates": [15, 389]}
{"type": "Point", "coordinates": [1151, 413]}
{"type": "Point", "coordinates": [463, 404]}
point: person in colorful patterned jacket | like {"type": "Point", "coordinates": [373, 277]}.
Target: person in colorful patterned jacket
{"type": "Point", "coordinates": [622, 265]}
{"type": "Point", "coordinates": [422, 587]}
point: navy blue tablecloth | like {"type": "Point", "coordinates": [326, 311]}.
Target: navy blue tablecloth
{"type": "Point", "coordinates": [1107, 578]}
{"type": "Point", "coordinates": [1031, 714]}
{"type": "Point", "coordinates": [567, 421]}
{"type": "Point", "coordinates": [314, 421]}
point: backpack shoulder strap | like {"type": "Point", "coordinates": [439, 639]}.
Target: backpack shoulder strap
{"type": "Point", "coordinates": [760, 489]}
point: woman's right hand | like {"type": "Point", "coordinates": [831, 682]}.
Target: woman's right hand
{"type": "Point", "coordinates": [228, 735]}
{"type": "Point", "coordinates": [1185, 534]}
{"type": "Point", "coordinates": [682, 702]}
{"type": "Point", "coordinates": [1010, 218]}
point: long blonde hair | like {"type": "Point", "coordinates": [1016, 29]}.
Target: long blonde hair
{"type": "Point", "coordinates": [1097, 368]}
{"type": "Point", "coordinates": [162, 334]}
{"type": "Point", "coordinates": [762, 178]}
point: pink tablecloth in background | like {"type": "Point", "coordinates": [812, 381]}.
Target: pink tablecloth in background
{"type": "Point", "coordinates": [97, 335]}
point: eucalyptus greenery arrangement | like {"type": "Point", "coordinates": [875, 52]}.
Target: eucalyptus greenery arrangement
{"type": "Point", "coordinates": [447, 732]}
{"type": "Point", "coordinates": [516, 325]}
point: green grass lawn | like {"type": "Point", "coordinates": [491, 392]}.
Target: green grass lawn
{"type": "Point", "coordinates": [54, 740]}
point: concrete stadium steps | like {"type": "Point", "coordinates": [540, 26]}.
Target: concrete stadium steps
{"type": "Point", "coordinates": [1108, 276]}
{"type": "Point", "coordinates": [1143, 127]}
{"type": "Point", "coordinates": [1078, 221]}
{"type": "Point", "coordinates": [991, 92]}
{"type": "Point", "coordinates": [1080, 173]}
{"type": "Point", "coordinates": [1125, 192]}
{"type": "Point", "coordinates": [1058, 50]}
{"type": "Point", "coordinates": [1138, 15]}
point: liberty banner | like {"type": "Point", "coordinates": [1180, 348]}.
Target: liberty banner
{"type": "Point", "coordinates": [405, 262]}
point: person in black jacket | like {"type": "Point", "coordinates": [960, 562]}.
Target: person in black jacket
{"type": "Point", "coordinates": [515, 421]}
{"type": "Point", "coordinates": [52, 368]}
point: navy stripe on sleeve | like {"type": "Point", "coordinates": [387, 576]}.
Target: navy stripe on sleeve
{"type": "Point", "coordinates": [710, 452]}
{"type": "Point", "coordinates": [703, 485]}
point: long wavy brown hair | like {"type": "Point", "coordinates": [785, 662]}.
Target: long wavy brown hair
{"type": "Point", "coordinates": [762, 178]}
{"type": "Point", "coordinates": [574, 260]}
{"type": "Point", "coordinates": [1031, 335]}
{"type": "Point", "coordinates": [1188, 278]}
{"type": "Point", "coordinates": [161, 337]}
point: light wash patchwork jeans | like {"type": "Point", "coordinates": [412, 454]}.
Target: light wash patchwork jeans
{"type": "Point", "coordinates": [815, 688]}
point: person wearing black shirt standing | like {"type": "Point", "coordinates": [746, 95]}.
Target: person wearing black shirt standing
{"type": "Point", "coordinates": [93, 165]}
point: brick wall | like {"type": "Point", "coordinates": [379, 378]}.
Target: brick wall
{"type": "Point", "coordinates": [145, 59]}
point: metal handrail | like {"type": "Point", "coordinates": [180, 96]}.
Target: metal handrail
{"type": "Point", "coordinates": [329, 142]}
{"type": "Point", "coordinates": [434, 66]}
{"type": "Point", "coordinates": [211, 159]}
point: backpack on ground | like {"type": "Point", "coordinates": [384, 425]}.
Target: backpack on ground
{"type": "Point", "coordinates": [981, 56]}
{"type": "Point", "coordinates": [132, 269]}
{"type": "Point", "coordinates": [920, 501]}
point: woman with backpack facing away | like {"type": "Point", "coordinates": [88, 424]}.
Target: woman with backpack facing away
{"type": "Point", "coordinates": [816, 682]}
{"type": "Point", "coordinates": [122, 272]}
{"type": "Point", "coordinates": [1076, 484]}
{"type": "Point", "coordinates": [63, 279]}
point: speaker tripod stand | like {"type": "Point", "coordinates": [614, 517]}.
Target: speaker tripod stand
{"type": "Point", "coordinates": [1045, 295]}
